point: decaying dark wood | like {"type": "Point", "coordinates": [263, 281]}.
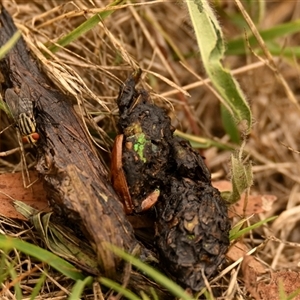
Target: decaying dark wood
{"type": "Point", "coordinates": [76, 182]}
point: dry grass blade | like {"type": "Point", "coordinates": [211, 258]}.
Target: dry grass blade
{"type": "Point", "coordinates": [154, 36]}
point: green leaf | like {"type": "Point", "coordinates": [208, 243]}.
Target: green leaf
{"type": "Point", "coordinates": [212, 48]}
{"type": "Point", "coordinates": [241, 177]}
{"type": "Point", "coordinates": [83, 28]}
{"type": "Point", "coordinates": [230, 125]}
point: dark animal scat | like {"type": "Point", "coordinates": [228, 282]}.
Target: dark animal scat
{"type": "Point", "coordinates": [192, 225]}
{"type": "Point", "coordinates": [147, 130]}
{"type": "Point", "coordinates": [193, 231]}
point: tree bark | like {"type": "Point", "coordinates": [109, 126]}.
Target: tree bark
{"type": "Point", "coordinates": [76, 181]}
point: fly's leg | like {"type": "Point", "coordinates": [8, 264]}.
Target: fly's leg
{"type": "Point", "coordinates": [9, 152]}
{"type": "Point", "coordinates": [4, 163]}
{"type": "Point", "coordinates": [25, 173]}
{"type": "Point", "coordinates": [23, 163]}
{"type": "Point", "coordinates": [6, 128]}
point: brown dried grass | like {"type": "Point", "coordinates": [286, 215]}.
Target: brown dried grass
{"type": "Point", "coordinates": [93, 66]}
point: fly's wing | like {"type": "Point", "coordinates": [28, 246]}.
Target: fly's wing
{"type": "Point", "coordinates": [12, 100]}
{"type": "Point", "coordinates": [25, 104]}
{"type": "Point", "coordinates": [19, 104]}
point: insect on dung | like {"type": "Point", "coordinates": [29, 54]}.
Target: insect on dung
{"type": "Point", "coordinates": [21, 109]}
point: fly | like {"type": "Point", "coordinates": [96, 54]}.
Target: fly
{"type": "Point", "coordinates": [21, 108]}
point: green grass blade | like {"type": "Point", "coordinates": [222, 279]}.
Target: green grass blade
{"type": "Point", "coordinates": [3, 269]}
{"type": "Point", "coordinates": [212, 48]}
{"type": "Point", "coordinates": [144, 296]}
{"type": "Point", "coordinates": [118, 288]}
{"type": "Point", "coordinates": [282, 294]}
{"type": "Point", "coordinates": [14, 276]}
{"type": "Point", "coordinates": [159, 278]}
{"type": "Point", "coordinates": [249, 228]}
{"type": "Point", "coordinates": [237, 227]}
{"type": "Point", "coordinates": [78, 288]}
{"type": "Point", "coordinates": [9, 44]}
{"type": "Point", "coordinates": [203, 143]}
{"type": "Point", "coordinates": [237, 46]}
{"type": "Point", "coordinates": [7, 271]}
{"type": "Point", "coordinates": [8, 243]}
{"type": "Point", "coordinates": [208, 295]}
{"type": "Point", "coordinates": [83, 28]}
{"type": "Point", "coordinates": [154, 294]}
{"type": "Point", "coordinates": [290, 53]}
{"type": "Point", "coordinates": [293, 294]}
{"type": "Point", "coordinates": [37, 287]}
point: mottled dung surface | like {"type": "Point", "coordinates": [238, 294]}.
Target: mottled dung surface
{"type": "Point", "coordinates": [192, 226]}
